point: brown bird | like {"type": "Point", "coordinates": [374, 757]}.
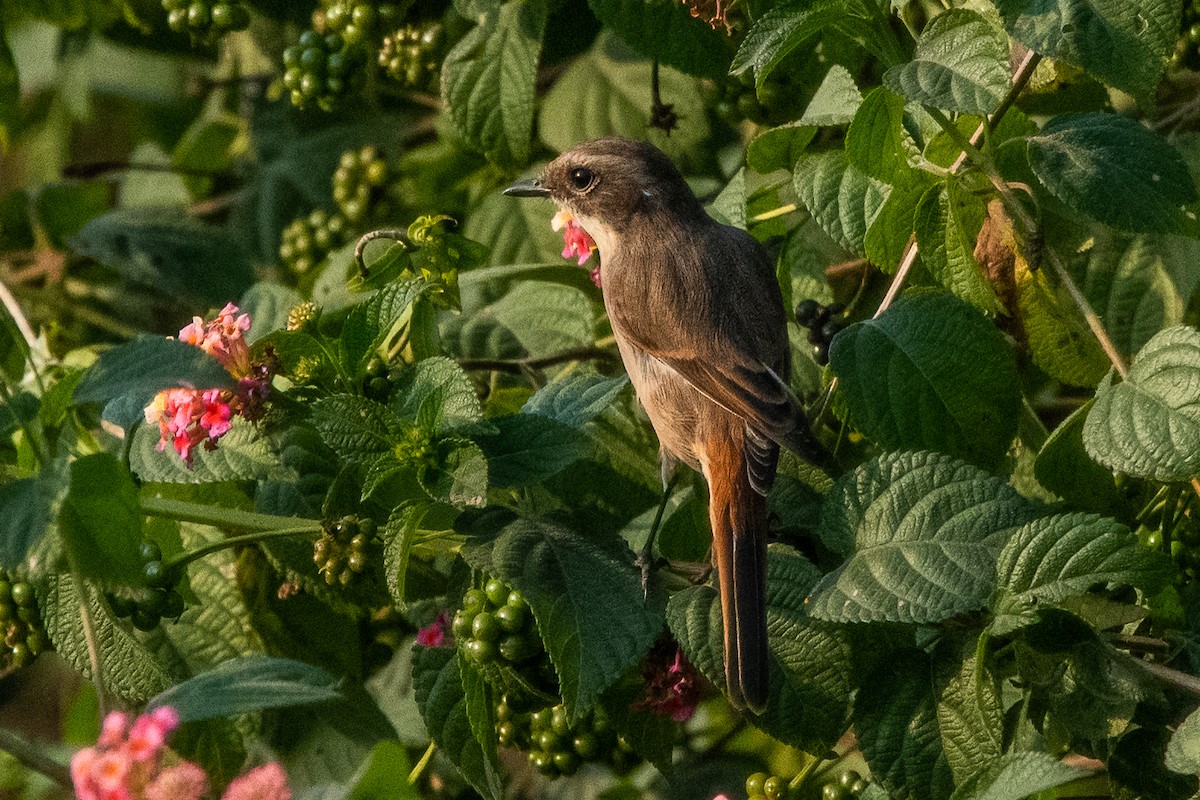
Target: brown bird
{"type": "Point", "coordinates": [698, 317]}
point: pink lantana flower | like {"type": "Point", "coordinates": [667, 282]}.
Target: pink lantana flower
{"type": "Point", "coordinates": [267, 782]}
{"type": "Point", "coordinates": [435, 633]}
{"type": "Point", "coordinates": [576, 242]}
{"type": "Point", "coordinates": [187, 418]}
{"type": "Point", "coordinates": [673, 686]}
{"type": "Point", "coordinates": [184, 781]}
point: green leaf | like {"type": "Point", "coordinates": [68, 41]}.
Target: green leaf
{"type": "Point", "coordinates": [28, 505]}
{"type": "Point", "coordinates": [169, 251]}
{"type": "Point", "coordinates": [877, 143]}
{"type": "Point", "coordinates": [101, 521]}
{"type": "Point", "coordinates": [969, 713]}
{"type": "Point", "coordinates": [250, 683]}
{"type": "Point", "coordinates": [1183, 750]}
{"type": "Point", "coordinates": [62, 209]}
{"type": "Point", "coordinates": [947, 224]}
{"type": "Point", "coordinates": [667, 31]}
{"type": "Point", "coordinates": [922, 531]}
{"type": "Point", "coordinates": [145, 366]}
{"type": "Point", "coordinates": [694, 618]}
{"type": "Point", "coordinates": [444, 697]}
{"type": "Point", "coordinates": [887, 238]}
{"type": "Point", "coordinates": [1053, 558]}
{"type": "Point", "coordinates": [1149, 424]}
{"type": "Point", "coordinates": [10, 93]}
{"type": "Point", "coordinates": [779, 148]}
{"type": "Point", "coordinates": [355, 427]}
{"type": "Point", "coordinates": [1061, 342]}
{"type": "Point", "coordinates": [574, 399]}
{"type": "Point", "coordinates": [951, 379]}
{"type": "Point", "coordinates": [1016, 776]}
{"type": "Point", "coordinates": [488, 81]}
{"type": "Point", "coordinates": [836, 100]}
{"type": "Point", "coordinates": [1126, 45]}
{"type": "Point", "coordinates": [895, 716]}
{"type": "Point", "coordinates": [547, 318]}
{"type": "Point", "coordinates": [268, 305]}
{"type": "Point", "coordinates": [369, 323]}
{"type": "Point", "coordinates": [1115, 170]}
{"type": "Point", "coordinates": [242, 454]}
{"type": "Point", "coordinates": [385, 775]}
{"type": "Point", "coordinates": [399, 535]}
{"type": "Point", "coordinates": [843, 201]}
{"type": "Point", "coordinates": [960, 64]}
{"type": "Point", "coordinates": [586, 596]}
{"type": "Point", "coordinates": [604, 93]}
{"type": "Point", "coordinates": [438, 395]}
{"type": "Point", "coordinates": [460, 476]}
{"type": "Point", "coordinates": [777, 33]}
{"type": "Point", "coordinates": [130, 670]}
{"type": "Point", "coordinates": [16, 226]}
{"type": "Point", "coordinates": [528, 449]}
{"type": "Point", "coordinates": [1063, 467]}
{"type": "Point", "coordinates": [520, 236]}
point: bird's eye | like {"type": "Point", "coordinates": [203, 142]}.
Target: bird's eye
{"type": "Point", "coordinates": [581, 178]}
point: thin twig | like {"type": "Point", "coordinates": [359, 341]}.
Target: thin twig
{"type": "Point", "coordinates": [89, 637]}
{"type": "Point", "coordinates": [1173, 677]}
{"type": "Point", "coordinates": [33, 757]}
{"type": "Point", "coordinates": [393, 234]}
{"type": "Point", "coordinates": [1142, 644]}
{"type": "Point", "coordinates": [518, 366]}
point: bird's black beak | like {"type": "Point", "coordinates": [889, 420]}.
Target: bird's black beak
{"type": "Point", "coordinates": [529, 188]}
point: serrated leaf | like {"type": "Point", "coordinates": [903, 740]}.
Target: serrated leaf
{"type": "Point", "coordinates": [1063, 467]}
{"type": "Point", "coordinates": [574, 399]}
{"type": "Point", "coordinates": [250, 683]}
{"type": "Point", "coordinates": [877, 143]}
{"type": "Point", "coordinates": [922, 530]}
{"type": "Point", "coordinates": [370, 322]}
{"type": "Point", "coordinates": [1016, 776]}
{"type": "Point", "coordinates": [168, 251]}
{"type": "Point", "coordinates": [951, 379]}
{"type": "Point", "coordinates": [28, 505]}
{"type": "Point", "coordinates": [399, 535]}
{"type": "Point", "coordinates": [1183, 750]}
{"type": "Point", "coordinates": [947, 223]}
{"type": "Point", "coordinates": [694, 618]}
{"type": "Point", "coordinates": [779, 148]}
{"type": "Point", "coordinates": [603, 93]}
{"type": "Point", "coordinates": [586, 596]}
{"type": "Point", "coordinates": [1115, 170]}
{"type": "Point", "coordinates": [268, 305]}
{"type": "Point", "coordinates": [1055, 557]}
{"type": "Point", "coordinates": [777, 33]}
{"type": "Point", "coordinates": [546, 318]}
{"type": "Point", "coordinates": [354, 427]}
{"type": "Point", "coordinates": [528, 449]}
{"type": "Point", "coordinates": [970, 715]}
{"type": "Point", "coordinates": [836, 100]}
{"type": "Point", "coordinates": [488, 81]}
{"type": "Point", "coordinates": [667, 31]}
{"type": "Point", "coordinates": [461, 475]}
{"type": "Point", "coordinates": [442, 698]}
{"type": "Point", "coordinates": [890, 232]}
{"type": "Point", "coordinates": [1060, 341]}
{"type": "Point", "coordinates": [960, 64]}
{"type": "Point", "coordinates": [130, 670]}
{"type": "Point", "coordinates": [843, 201]}
{"type": "Point", "coordinates": [241, 454]}
{"type": "Point", "coordinates": [1149, 424]}
{"type": "Point", "coordinates": [438, 395]}
{"type": "Point", "coordinates": [147, 365]}
{"type": "Point", "coordinates": [101, 521]}
{"type": "Point", "coordinates": [895, 716]}
{"type": "Point", "coordinates": [1126, 45]}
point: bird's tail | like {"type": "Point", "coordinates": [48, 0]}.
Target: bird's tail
{"type": "Point", "coordinates": [738, 515]}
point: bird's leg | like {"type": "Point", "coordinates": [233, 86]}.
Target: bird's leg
{"type": "Point", "coordinates": [670, 475]}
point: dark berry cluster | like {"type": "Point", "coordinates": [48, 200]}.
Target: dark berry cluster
{"type": "Point", "coordinates": [557, 748]}
{"type": "Point", "coordinates": [308, 240]}
{"type": "Point", "coordinates": [495, 625]}
{"type": "Point", "coordinates": [345, 549]}
{"type": "Point", "coordinates": [1187, 47]}
{"type": "Point", "coordinates": [361, 185]}
{"type": "Point", "coordinates": [157, 600]}
{"type": "Point", "coordinates": [321, 69]}
{"type": "Point", "coordinates": [412, 55]}
{"type": "Point", "coordinates": [206, 20]}
{"type": "Point", "coordinates": [736, 99]}
{"type": "Point", "coordinates": [24, 634]}
{"type": "Point", "coordinates": [823, 323]}
{"type": "Point", "coordinates": [848, 785]}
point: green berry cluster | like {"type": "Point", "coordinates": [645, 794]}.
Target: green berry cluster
{"type": "Point", "coordinates": [206, 20]}
{"type": "Point", "coordinates": [308, 240]}
{"type": "Point", "coordinates": [557, 748]}
{"type": "Point", "coordinates": [378, 380]}
{"type": "Point", "coordinates": [737, 99]}
{"type": "Point", "coordinates": [157, 600]}
{"type": "Point", "coordinates": [361, 185]}
{"type": "Point", "coordinates": [345, 549]}
{"type": "Point", "coordinates": [823, 323]}
{"type": "Point", "coordinates": [359, 23]}
{"type": "Point", "coordinates": [1187, 47]}
{"type": "Point", "coordinates": [496, 626]}
{"type": "Point", "coordinates": [412, 55]}
{"type": "Point", "coordinates": [321, 69]}
{"type": "Point", "coordinates": [24, 635]}
{"type": "Point", "coordinates": [848, 785]}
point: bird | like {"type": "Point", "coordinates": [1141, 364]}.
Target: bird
{"type": "Point", "coordinates": [698, 317]}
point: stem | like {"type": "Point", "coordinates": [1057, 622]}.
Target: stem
{"type": "Point", "coordinates": [89, 636]}
{"type": "Point", "coordinates": [229, 519]}
{"type": "Point", "coordinates": [773, 213]}
{"type": "Point", "coordinates": [1172, 677]}
{"type": "Point", "coordinates": [29, 755]}
{"type": "Point", "coordinates": [518, 366]}
{"type": "Point", "coordinates": [415, 775]}
{"type": "Point", "coordinates": [394, 234]}
{"type": "Point", "coordinates": [183, 559]}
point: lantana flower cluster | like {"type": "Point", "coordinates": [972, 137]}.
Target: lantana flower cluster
{"type": "Point", "coordinates": [576, 242]}
{"type": "Point", "coordinates": [673, 687]}
{"type": "Point", "coordinates": [130, 761]}
{"type": "Point", "coordinates": [188, 418]}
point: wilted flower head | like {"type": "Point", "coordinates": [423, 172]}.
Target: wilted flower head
{"type": "Point", "coordinates": [673, 686]}
{"type": "Point", "coordinates": [435, 633]}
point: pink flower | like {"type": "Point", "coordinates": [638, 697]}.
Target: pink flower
{"type": "Point", "coordinates": [267, 782]}
{"type": "Point", "coordinates": [434, 634]}
{"type": "Point", "coordinates": [223, 339]}
{"type": "Point", "coordinates": [190, 417]}
{"type": "Point", "coordinates": [673, 686]}
{"type": "Point", "coordinates": [184, 781]}
{"type": "Point", "coordinates": [148, 735]}
{"type": "Point", "coordinates": [109, 772]}
{"type": "Point", "coordinates": [83, 764]}
{"type": "Point", "coordinates": [113, 729]}
{"type": "Point", "coordinates": [576, 242]}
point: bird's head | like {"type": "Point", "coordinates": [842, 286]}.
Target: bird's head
{"type": "Point", "coordinates": [608, 184]}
